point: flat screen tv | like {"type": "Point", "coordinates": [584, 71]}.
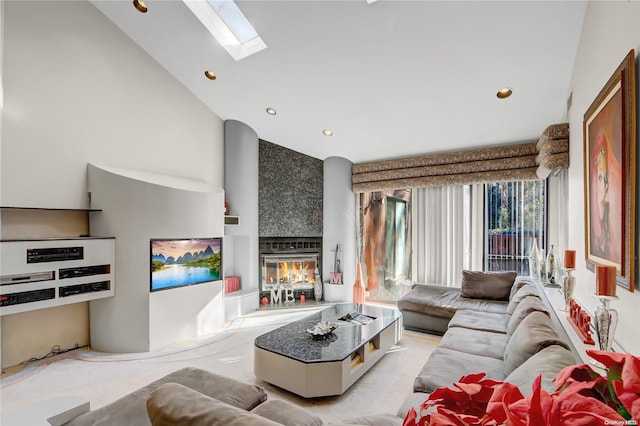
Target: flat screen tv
{"type": "Point", "coordinates": [183, 262]}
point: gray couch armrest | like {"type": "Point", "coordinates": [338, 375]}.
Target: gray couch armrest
{"type": "Point", "coordinates": [131, 409]}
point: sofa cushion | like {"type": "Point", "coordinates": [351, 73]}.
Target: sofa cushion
{"type": "Point", "coordinates": [548, 362]}
{"type": "Point", "coordinates": [430, 299]}
{"type": "Point", "coordinates": [131, 409]}
{"type": "Point", "coordinates": [487, 285]}
{"type": "Point", "coordinates": [485, 343]}
{"type": "Point", "coordinates": [519, 282]}
{"type": "Point", "coordinates": [444, 301]}
{"type": "Point", "coordinates": [525, 307]}
{"type": "Point", "coordinates": [284, 412]}
{"type": "Point", "coordinates": [477, 320]}
{"type": "Point", "coordinates": [424, 323]}
{"type": "Point", "coordinates": [414, 400]}
{"type": "Point", "coordinates": [174, 404]}
{"type": "Point", "coordinates": [445, 367]}
{"type": "Point", "coordinates": [516, 298]}
{"type": "Point", "coordinates": [534, 333]}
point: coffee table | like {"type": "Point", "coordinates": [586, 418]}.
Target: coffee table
{"type": "Point", "coordinates": [291, 359]}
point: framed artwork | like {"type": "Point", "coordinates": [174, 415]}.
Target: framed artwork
{"type": "Point", "coordinates": [609, 175]}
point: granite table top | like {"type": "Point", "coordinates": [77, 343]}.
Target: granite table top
{"type": "Point", "coordinates": [294, 342]}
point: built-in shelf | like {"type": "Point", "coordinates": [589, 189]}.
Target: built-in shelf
{"type": "Point", "coordinates": [79, 237]}
{"type": "Point", "coordinates": [43, 273]}
{"type": "Point", "coordinates": [48, 208]}
{"type": "Point", "coordinates": [42, 269]}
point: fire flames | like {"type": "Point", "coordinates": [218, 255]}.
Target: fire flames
{"type": "Point", "coordinates": [291, 273]}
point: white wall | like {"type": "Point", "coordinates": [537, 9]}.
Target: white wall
{"type": "Point", "coordinates": [240, 258]}
{"type": "Point", "coordinates": [241, 192]}
{"type": "Point", "coordinates": [1, 114]}
{"type": "Point", "coordinates": [77, 90]}
{"type": "Point", "coordinates": [157, 206]}
{"type": "Point", "coordinates": [610, 30]}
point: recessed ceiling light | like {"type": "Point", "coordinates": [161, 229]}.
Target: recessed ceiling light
{"type": "Point", "coordinates": [139, 4]}
{"type": "Point", "coordinates": [327, 132]}
{"type": "Point", "coordinates": [504, 93]}
{"type": "Point", "coordinates": [210, 75]}
{"type": "Point", "coordinates": [271, 111]}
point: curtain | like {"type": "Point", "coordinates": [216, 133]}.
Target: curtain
{"type": "Point", "coordinates": [517, 162]}
{"type": "Point", "coordinates": [476, 227]}
{"type": "Point", "coordinates": [441, 215]}
{"type": "Point", "coordinates": [558, 229]}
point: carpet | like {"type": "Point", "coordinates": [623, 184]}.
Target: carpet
{"type": "Point", "coordinates": [102, 378]}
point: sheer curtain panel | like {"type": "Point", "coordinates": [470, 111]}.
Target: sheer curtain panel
{"type": "Point", "coordinates": [442, 247]}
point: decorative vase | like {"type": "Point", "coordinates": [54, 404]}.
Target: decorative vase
{"type": "Point", "coordinates": [534, 270]}
{"type": "Point", "coordinates": [317, 286]}
{"type": "Point", "coordinates": [605, 321]}
{"type": "Point", "coordinates": [542, 266]}
{"type": "Point", "coordinates": [552, 276]}
{"type": "Point", "coordinates": [358, 286]}
{"type": "Point", "coordinates": [568, 285]}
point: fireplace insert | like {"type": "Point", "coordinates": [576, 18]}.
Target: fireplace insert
{"type": "Point", "coordinates": [289, 263]}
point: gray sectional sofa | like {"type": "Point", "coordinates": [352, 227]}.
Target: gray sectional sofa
{"type": "Point", "coordinates": [495, 323]}
{"type": "Point", "coordinates": [192, 396]}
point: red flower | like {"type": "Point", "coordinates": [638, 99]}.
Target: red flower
{"type": "Point", "coordinates": [607, 358]}
{"type": "Point", "coordinates": [503, 396]}
{"type": "Point", "coordinates": [572, 373]}
{"type": "Point", "coordinates": [466, 404]}
{"type": "Point", "coordinates": [623, 375]}
{"type": "Point", "coordinates": [560, 408]}
{"type": "Point", "coordinates": [582, 397]}
{"type": "Point", "coordinates": [471, 396]}
{"type": "Point", "coordinates": [411, 418]}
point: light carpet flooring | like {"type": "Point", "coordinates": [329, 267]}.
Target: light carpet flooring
{"type": "Point", "coordinates": [102, 378]}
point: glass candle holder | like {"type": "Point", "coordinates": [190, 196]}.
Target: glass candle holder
{"type": "Point", "coordinates": [605, 321]}
{"type": "Point", "coordinates": [568, 285]}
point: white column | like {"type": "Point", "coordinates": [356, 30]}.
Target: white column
{"type": "Point", "coordinates": [339, 218]}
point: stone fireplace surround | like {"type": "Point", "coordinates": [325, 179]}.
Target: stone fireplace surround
{"type": "Point", "coordinates": [278, 193]}
{"type": "Point", "coordinates": [290, 222]}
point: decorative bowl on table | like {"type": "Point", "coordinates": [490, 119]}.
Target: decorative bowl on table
{"type": "Point", "coordinates": [322, 329]}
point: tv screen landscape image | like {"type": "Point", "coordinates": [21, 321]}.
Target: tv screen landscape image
{"type": "Point", "coordinates": [183, 262]}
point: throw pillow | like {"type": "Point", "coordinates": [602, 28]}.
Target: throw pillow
{"type": "Point", "coordinates": [487, 285]}
{"type": "Point", "coordinates": [525, 307]}
{"type": "Point", "coordinates": [173, 404]}
{"type": "Point", "coordinates": [533, 334]}
{"type": "Point", "coordinates": [286, 413]}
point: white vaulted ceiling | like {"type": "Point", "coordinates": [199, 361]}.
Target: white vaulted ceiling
{"type": "Point", "coordinates": [390, 79]}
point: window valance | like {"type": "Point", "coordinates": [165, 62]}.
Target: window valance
{"type": "Point", "coordinates": [553, 150]}
{"type": "Point", "coordinates": [526, 161]}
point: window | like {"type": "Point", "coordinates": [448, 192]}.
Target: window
{"type": "Point", "coordinates": [515, 214]}
{"type": "Point", "coordinates": [430, 235]}
{"type": "Point", "coordinates": [397, 261]}
{"type": "Point", "coordinates": [386, 243]}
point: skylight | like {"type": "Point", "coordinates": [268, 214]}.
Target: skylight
{"type": "Point", "coordinates": [226, 22]}
{"type": "Point", "coordinates": [231, 15]}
